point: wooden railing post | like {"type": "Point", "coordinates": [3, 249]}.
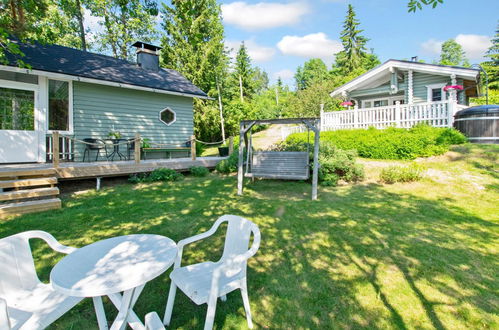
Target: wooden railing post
{"type": "Point", "coordinates": [55, 149]}
{"type": "Point", "coordinates": [193, 147]}
{"type": "Point", "coordinates": [231, 145]}
{"type": "Point", "coordinates": [136, 151]}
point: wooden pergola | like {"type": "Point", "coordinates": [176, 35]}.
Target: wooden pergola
{"type": "Point", "coordinates": [245, 126]}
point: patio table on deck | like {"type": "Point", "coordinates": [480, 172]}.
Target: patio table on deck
{"type": "Point", "coordinates": [111, 266]}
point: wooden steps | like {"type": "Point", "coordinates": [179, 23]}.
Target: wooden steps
{"type": "Point", "coordinates": [29, 207]}
{"type": "Point", "coordinates": [27, 191]}
{"type": "Point", "coordinates": [28, 182]}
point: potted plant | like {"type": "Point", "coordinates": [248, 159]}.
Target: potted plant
{"type": "Point", "coordinates": [114, 135]}
{"type": "Point", "coordinates": [223, 151]}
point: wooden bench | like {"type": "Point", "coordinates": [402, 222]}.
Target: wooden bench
{"type": "Point", "coordinates": [168, 151]}
{"type": "Point", "coordinates": [284, 165]}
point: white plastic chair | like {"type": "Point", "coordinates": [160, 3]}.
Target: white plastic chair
{"type": "Point", "coordinates": [27, 302]}
{"type": "Point", "coordinates": [206, 281]}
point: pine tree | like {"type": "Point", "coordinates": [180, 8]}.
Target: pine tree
{"type": "Point", "coordinates": [492, 65]}
{"type": "Point", "coordinates": [453, 54]}
{"type": "Point", "coordinates": [354, 44]}
{"type": "Point", "coordinates": [244, 73]}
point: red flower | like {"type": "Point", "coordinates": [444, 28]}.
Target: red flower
{"type": "Point", "coordinates": [453, 87]}
{"type": "Point", "coordinates": [346, 104]}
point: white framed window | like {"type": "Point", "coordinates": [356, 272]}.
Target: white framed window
{"type": "Point", "coordinates": [167, 116]}
{"type": "Point", "coordinates": [18, 106]}
{"type": "Point", "coordinates": [60, 106]}
{"type": "Point", "coordinates": [382, 102]}
{"type": "Point", "coordinates": [435, 92]}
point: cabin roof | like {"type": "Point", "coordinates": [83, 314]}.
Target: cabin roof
{"type": "Point", "coordinates": [81, 64]}
{"type": "Point", "coordinates": [383, 71]}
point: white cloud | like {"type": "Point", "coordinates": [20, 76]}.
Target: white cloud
{"type": "Point", "coordinates": [258, 53]}
{"type": "Point", "coordinates": [474, 46]}
{"type": "Point", "coordinates": [283, 74]}
{"type": "Point", "coordinates": [263, 15]}
{"type": "Point", "coordinates": [431, 47]}
{"type": "Point", "coordinates": [315, 45]}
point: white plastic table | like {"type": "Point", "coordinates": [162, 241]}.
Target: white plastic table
{"type": "Point", "coordinates": [111, 266]}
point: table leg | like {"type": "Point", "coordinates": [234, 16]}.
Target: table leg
{"type": "Point", "coordinates": [120, 321]}
{"type": "Point", "coordinates": [99, 311]}
{"type": "Point", "coordinates": [133, 319]}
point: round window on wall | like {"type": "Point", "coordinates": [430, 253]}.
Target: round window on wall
{"type": "Point", "coordinates": [167, 116]}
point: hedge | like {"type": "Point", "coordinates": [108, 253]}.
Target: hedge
{"type": "Point", "coordinates": [389, 143]}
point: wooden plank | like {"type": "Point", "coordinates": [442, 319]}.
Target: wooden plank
{"type": "Point", "coordinates": [27, 172]}
{"type": "Point", "coordinates": [29, 207]}
{"type": "Point", "coordinates": [27, 182]}
{"type": "Point", "coordinates": [28, 193]}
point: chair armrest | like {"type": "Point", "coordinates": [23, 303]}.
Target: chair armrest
{"type": "Point", "coordinates": [51, 241]}
{"type": "Point", "coordinates": [4, 315]}
{"type": "Point", "coordinates": [192, 239]}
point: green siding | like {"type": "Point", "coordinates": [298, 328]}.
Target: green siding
{"type": "Point", "coordinates": [420, 81]}
{"type": "Point", "coordinates": [98, 108]}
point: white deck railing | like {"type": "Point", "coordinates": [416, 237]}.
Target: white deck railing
{"type": "Point", "coordinates": [437, 114]}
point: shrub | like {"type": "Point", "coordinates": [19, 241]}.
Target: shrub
{"type": "Point", "coordinates": [160, 174]}
{"type": "Point", "coordinates": [229, 164]}
{"type": "Point", "coordinates": [392, 174]}
{"type": "Point", "coordinates": [337, 164]}
{"type": "Point", "coordinates": [390, 143]}
{"type": "Point", "coordinates": [199, 171]}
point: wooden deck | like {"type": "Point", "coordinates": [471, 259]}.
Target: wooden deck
{"type": "Point", "coordinates": [79, 170]}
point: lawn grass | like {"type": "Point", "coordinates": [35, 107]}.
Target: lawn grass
{"type": "Point", "coordinates": [403, 256]}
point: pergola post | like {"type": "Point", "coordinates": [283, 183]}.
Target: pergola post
{"type": "Point", "coordinates": [315, 172]}
{"type": "Point", "coordinates": [240, 176]}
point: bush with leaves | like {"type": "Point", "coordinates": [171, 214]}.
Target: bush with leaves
{"type": "Point", "coordinates": [392, 174]}
{"type": "Point", "coordinates": [160, 174]}
{"type": "Point", "coordinates": [390, 143]}
{"type": "Point", "coordinates": [229, 165]}
{"type": "Point", "coordinates": [337, 164]}
{"type": "Point", "coordinates": [199, 171]}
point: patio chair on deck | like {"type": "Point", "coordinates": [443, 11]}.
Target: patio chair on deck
{"type": "Point", "coordinates": [27, 302]}
{"type": "Point", "coordinates": [95, 145]}
{"type": "Point", "coordinates": [207, 281]}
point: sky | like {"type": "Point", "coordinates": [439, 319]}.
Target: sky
{"type": "Point", "coordinates": [281, 35]}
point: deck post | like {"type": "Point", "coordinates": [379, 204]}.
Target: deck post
{"type": "Point", "coordinates": [97, 185]}
{"type": "Point", "coordinates": [397, 113]}
{"type": "Point", "coordinates": [136, 149]}
{"type": "Point", "coordinates": [55, 149]}
{"type": "Point", "coordinates": [193, 147]}
{"type": "Point", "coordinates": [231, 145]}
{"type": "Point", "coordinates": [356, 116]}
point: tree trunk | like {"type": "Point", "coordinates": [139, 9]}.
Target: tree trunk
{"type": "Point", "coordinates": [79, 17]}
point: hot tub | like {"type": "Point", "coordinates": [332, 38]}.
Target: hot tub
{"type": "Point", "coordinates": [480, 124]}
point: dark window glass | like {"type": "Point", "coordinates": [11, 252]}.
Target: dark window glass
{"type": "Point", "coordinates": [436, 94]}
{"type": "Point", "coordinates": [167, 116]}
{"type": "Point", "coordinates": [17, 109]}
{"type": "Point", "coordinates": [58, 105]}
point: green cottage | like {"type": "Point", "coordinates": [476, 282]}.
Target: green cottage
{"type": "Point", "coordinates": [83, 95]}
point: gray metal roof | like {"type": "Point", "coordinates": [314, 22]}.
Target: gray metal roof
{"type": "Point", "coordinates": [74, 62]}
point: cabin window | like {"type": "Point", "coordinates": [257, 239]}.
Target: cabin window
{"type": "Point", "coordinates": [380, 103]}
{"type": "Point", "coordinates": [17, 109]}
{"type": "Point", "coordinates": [436, 94]}
{"type": "Point", "coordinates": [167, 116]}
{"type": "Point", "coordinates": [58, 105]}
{"type": "Point", "coordinates": [367, 104]}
